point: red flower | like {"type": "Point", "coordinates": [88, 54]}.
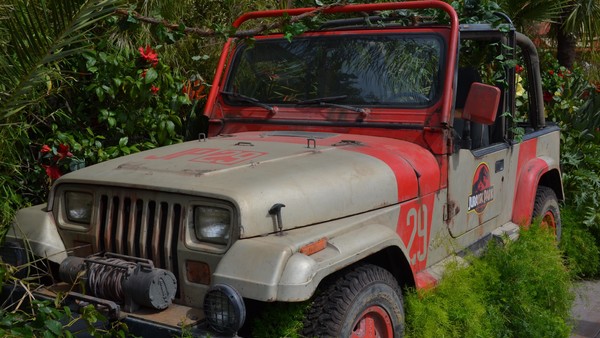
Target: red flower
{"type": "Point", "coordinates": [548, 97]}
{"type": "Point", "coordinates": [551, 72]}
{"type": "Point", "coordinates": [149, 55]}
{"type": "Point", "coordinates": [560, 74]}
{"type": "Point", "coordinates": [52, 171]}
{"type": "Point", "coordinates": [154, 89]}
{"type": "Point", "coordinates": [519, 68]}
{"type": "Point", "coordinates": [63, 151]}
{"type": "Point", "coordinates": [143, 74]}
{"type": "Point", "coordinates": [45, 149]}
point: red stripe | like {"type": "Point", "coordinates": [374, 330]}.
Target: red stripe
{"type": "Point", "coordinates": [529, 170]}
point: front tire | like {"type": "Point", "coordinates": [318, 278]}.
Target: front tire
{"type": "Point", "coordinates": [546, 209]}
{"type": "Point", "coordinates": [365, 301]}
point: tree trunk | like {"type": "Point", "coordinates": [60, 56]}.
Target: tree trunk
{"type": "Point", "coordinates": [565, 49]}
{"type": "Point", "coordinates": [566, 41]}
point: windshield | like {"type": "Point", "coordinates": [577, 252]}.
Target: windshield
{"type": "Point", "coordinates": [364, 70]}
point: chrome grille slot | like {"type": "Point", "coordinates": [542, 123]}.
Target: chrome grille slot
{"type": "Point", "coordinates": [140, 224]}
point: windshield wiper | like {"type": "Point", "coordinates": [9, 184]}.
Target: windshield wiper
{"type": "Point", "coordinates": [318, 100]}
{"type": "Point", "coordinates": [326, 102]}
{"type": "Point", "coordinates": [248, 99]}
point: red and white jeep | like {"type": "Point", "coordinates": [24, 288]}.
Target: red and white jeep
{"type": "Point", "coordinates": [339, 166]}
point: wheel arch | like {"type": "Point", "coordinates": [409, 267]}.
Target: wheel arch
{"type": "Point", "coordinates": [552, 180]}
{"type": "Point", "coordinates": [270, 269]}
{"type": "Point", "coordinates": [538, 171]}
{"type": "Point", "coordinates": [393, 259]}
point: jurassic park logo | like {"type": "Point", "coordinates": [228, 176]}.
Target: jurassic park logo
{"type": "Point", "coordinates": [482, 191]}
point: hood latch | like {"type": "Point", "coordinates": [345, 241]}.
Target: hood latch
{"type": "Point", "coordinates": [276, 211]}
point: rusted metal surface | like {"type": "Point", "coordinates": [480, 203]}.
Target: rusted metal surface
{"type": "Point", "coordinates": [175, 315]}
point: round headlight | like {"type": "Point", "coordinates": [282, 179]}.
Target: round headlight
{"type": "Point", "coordinates": [224, 309]}
{"type": "Point", "coordinates": [212, 224]}
{"type": "Point", "coordinates": [79, 206]}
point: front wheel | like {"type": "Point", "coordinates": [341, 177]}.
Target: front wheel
{"type": "Point", "coordinates": [547, 210]}
{"type": "Point", "coordinates": [366, 301]}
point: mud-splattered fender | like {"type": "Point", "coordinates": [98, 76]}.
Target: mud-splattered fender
{"type": "Point", "coordinates": [35, 225]}
{"type": "Point", "coordinates": [272, 268]}
{"type": "Point", "coordinates": [527, 183]}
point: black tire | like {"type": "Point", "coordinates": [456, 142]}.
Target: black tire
{"type": "Point", "coordinates": [363, 294]}
{"type": "Point", "coordinates": [546, 208]}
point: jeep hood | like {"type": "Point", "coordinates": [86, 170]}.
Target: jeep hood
{"type": "Point", "coordinates": [317, 176]}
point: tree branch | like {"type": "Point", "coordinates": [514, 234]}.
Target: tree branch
{"type": "Point", "coordinates": [208, 32]}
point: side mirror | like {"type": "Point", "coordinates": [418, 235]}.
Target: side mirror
{"type": "Point", "coordinates": [482, 104]}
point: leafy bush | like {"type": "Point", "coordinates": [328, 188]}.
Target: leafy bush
{"type": "Point", "coordinates": [115, 102]}
{"type": "Point", "coordinates": [579, 245]}
{"type": "Point", "coordinates": [566, 92]}
{"type": "Point", "coordinates": [519, 290]}
{"type": "Point", "coordinates": [280, 320]}
{"type": "Point", "coordinates": [573, 103]}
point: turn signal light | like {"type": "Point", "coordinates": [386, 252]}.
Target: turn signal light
{"type": "Point", "coordinates": [198, 272]}
{"type": "Point", "coordinates": [314, 247]}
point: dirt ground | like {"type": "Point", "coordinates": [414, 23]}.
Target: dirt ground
{"type": "Point", "coordinates": [586, 312]}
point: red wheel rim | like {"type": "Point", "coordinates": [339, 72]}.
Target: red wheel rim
{"type": "Point", "coordinates": [373, 322]}
{"type": "Point", "coordinates": [549, 221]}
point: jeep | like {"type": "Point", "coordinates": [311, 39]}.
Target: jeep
{"type": "Point", "coordinates": [342, 165]}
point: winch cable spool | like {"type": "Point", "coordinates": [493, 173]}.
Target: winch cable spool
{"type": "Point", "coordinates": [129, 280]}
{"type": "Point", "coordinates": [105, 278]}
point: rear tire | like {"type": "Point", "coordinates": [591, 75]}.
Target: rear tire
{"type": "Point", "coordinates": [547, 210]}
{"type": "Point", "coordinates": [365, 301]}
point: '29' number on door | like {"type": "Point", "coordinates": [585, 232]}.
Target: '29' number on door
{"type": "Point", "coordinates": [417, 220]}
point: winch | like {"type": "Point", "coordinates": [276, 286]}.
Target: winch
{"type": "Point", "coordinates": [132, 281]}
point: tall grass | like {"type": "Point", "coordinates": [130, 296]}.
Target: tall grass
{"type": "Point", "coordinates": [521, 289]}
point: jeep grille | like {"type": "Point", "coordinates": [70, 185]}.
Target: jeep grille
{"type": "Point", "coordinates": [140, 225]}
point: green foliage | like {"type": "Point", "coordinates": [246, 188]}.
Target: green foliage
{"type": "Point", "coordinates": [518, 290]}
{"type": "Point", "coordinates": [471, 11]}
{"type": "Point", "coordinates": [109, 101]}
{"type": "Point", "coordinates": [581, 165]}
{"type": "Point", "coordinates": [579, 245]}
{"type": "Point", "coordinates": [566, 92]}
{"type": "Point", "coordinates": [131, 97]}
{"type": "Point", "coordinates": [525, 13]}
{"type": "Point", "coordinates": [573, 103]}
{"type": "Point", "coordinates": [457, 307]}
{"type": "Point", "coordinates": [534, 291]}
{"type": "Point", "coordinates": [43, 318]}
{"type": "Point", "coordinates": [41, 35]}
{"type": "Point", "coordinates": [280, 320]}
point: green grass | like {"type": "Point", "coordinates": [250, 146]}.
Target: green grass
{"type": "Point", "coordinates": [580, 246]}
{"type": "Point", "coordinates": [518, 290]}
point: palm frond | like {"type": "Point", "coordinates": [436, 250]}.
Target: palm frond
{"type": "Point", "coordinates": [41, 34]}
{"type": "Point", "coordinates": [523, 12]}
{"type": "Point", "coordinates": [583, 20]}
